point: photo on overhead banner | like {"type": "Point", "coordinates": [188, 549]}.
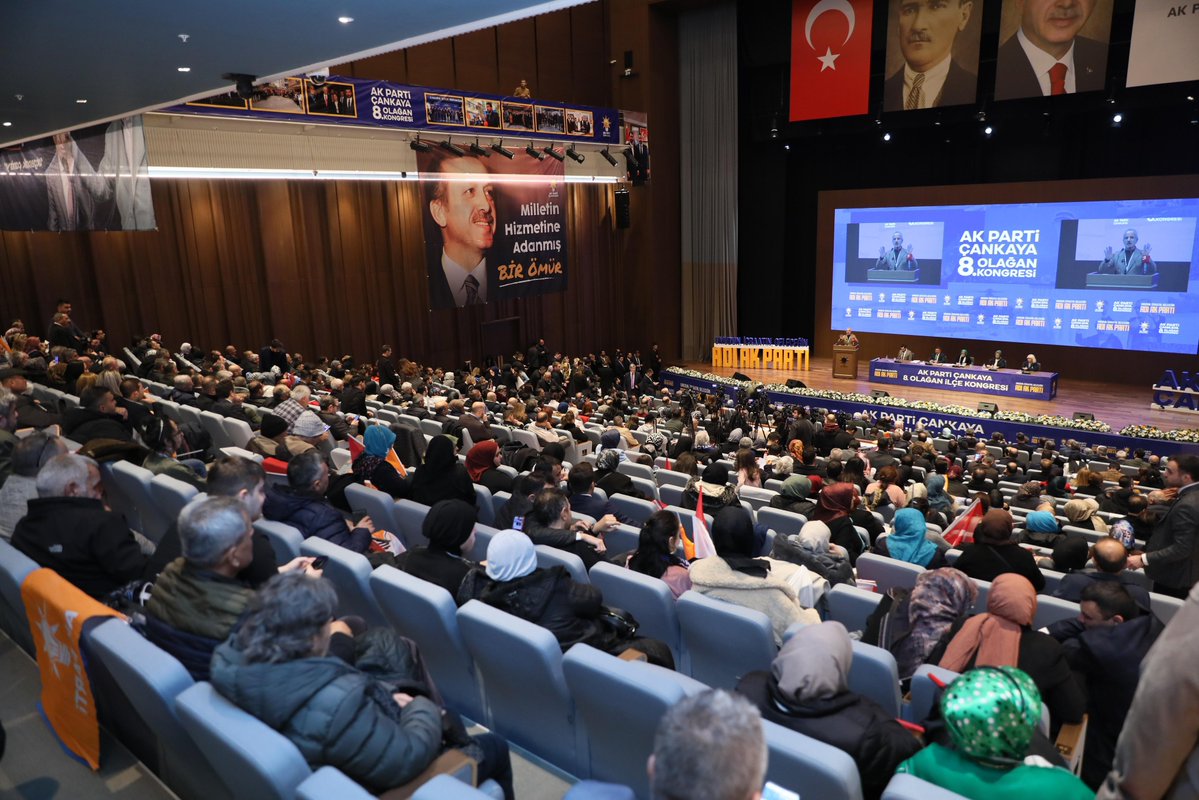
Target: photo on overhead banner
{"type": "Point", "coordinates": [932, 53]}
{"type": "Point", "coordinates": [495, 228]}
{"type": "Point", "coordinates": [1050, 47]}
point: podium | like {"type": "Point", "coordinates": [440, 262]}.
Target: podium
{"type": "Point", "coordinates": [893, 275]}
{"type": "Point", "coordinates": [1101, 280]}
{"type": "Point", "coordinates": [845, 361]}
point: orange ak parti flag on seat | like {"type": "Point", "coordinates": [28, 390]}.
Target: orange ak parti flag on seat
{"type": "Point", "coordinates": [57, 611]}
{"type": "Point", "coordinates": [830, 58]}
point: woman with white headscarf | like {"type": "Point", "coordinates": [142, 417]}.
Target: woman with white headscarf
{"type": "Point", "coordinates": [807, 690]}
{"type": "Point", "coordinates": [550, 598]}
{"type": "Point", "coordinates": [812, 548]}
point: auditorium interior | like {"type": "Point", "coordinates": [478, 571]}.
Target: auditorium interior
{"type": "Point", "coordinates": [320, 236]}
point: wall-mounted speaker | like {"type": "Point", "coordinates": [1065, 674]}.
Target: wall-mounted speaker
{"type": "Point", "coordinates": [623, 215]}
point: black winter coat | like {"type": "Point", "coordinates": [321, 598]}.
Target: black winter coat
{"type": "Point", "coordinates": [312, 515]}
{"type": "Point", "coordinates": [545, 597]}
{"type": "Point", "coordinates": [83, 425]}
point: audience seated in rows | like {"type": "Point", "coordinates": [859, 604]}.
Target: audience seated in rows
{"type": "Point", "coordinates": [994, 552]}
{"type": "Point", "coordinates": [813, 549]}
{"type": "Point", "coordinates": [301, 503]}
{"type": "Point", "coordinates": [482, 462]}
{"type": "Point", "coordinates": [28, 457]}
{"type": "Point", "coordinates": [657, 552]}
{"type": "Point", "coordinates": [449, 528]}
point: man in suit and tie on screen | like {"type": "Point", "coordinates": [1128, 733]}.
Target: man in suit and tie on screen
{"type": "Point", "coordinates": [1130, 260]}
{"type": "Point", "coordinates": [930, 77]}
{"type": "Point", "coordinates": [898, 257]}
{"type": "Point", "coordinates": [464, 209]}
{"type": "Point", "coordinates": [1047, 56]}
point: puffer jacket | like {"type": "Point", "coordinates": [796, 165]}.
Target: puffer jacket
{"type": "Point", "coordinates": [336, 713]}
{"type": "Point", "coordinates": [545, 597]}
{"type": "Point", "coordinates": [312, 515]}
{"type": "Point", "coordinates": [715, 497]}
{"type": "Point", "coordinates": [832, 567]}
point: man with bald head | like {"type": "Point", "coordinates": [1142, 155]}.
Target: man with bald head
{"type": "Point", "coordinates": [475, 423]}
{"type": "Point", "coordinates": [1110, 559]}
{"type": "Point", "coordinates": [1130, 260]}
{"type": "Point", "coordinates": [463, 208]}
{"type": "Point", "coordinates": [1046, 56]}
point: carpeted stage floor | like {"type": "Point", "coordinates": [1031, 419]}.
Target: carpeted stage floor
{"type": "Point", "coordinates": [1114, 403]}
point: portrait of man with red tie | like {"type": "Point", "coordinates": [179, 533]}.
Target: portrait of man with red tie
{"type": "Point", "coordinates": [1046, 51]}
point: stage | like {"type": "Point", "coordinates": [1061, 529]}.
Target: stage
{"type": "Point", "coordinates": [1117, 404]}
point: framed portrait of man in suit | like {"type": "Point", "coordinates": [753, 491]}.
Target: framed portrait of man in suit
{"type": "Point", "coordinates": [932, 53]}
{"type": "Point", "coordinates": [1052, 47]}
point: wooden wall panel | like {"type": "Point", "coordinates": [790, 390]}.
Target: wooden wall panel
{"type": "Point", "coordinates": [475, 63]}
{"type": "Point", "coordinates": [554, 58]}
{"type": "Point", "coordinates": [517, 54]}
{"type": "Point", "coordinates": [432, 64]}
{"type": "Point", "coordinates": [591, 72]}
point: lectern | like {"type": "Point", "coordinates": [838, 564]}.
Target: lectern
{"type": "Point", "coordinates": [845, 361]}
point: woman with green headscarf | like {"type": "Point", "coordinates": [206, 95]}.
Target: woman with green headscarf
{"type": "Point", "coordinates": [795, 496]}
{"type": "Point", "coordinates": [990, 715]}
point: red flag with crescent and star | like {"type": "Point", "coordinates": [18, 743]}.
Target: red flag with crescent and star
{"type": "Point", "coordinates": [830, 58]}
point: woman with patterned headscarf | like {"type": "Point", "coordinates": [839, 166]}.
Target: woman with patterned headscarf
{"type": "Point", "coordinates": [990, 715]}
{"type": "Point", "coordinates": [1003, 637]}
{"type": "Point", "coordinates": [937, 606]}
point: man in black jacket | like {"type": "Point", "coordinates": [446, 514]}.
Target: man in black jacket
{"type": "Point", "coordinates": [31, 412]}
{"type": "Point", "coordinates": [98, 417]}
{"type": "Point", "coordinates": [68, 529]}
{"type": "Point", "coordinates": [1171, 557]}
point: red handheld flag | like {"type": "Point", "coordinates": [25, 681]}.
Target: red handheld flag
{"type": "Point", "coordinates": [961, 530]}
{"type": "Point", "coordinates": [830, 58]}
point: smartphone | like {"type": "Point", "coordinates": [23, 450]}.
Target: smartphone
{"type": "Point", "coordinates": [319, 562]}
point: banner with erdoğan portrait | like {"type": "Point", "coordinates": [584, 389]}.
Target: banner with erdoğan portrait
{"type": "Point", "coordinates": [1165, 35]}
{"type": "Point", "coordinates": [932, 54]}
{"type": "Point", "coordinates": [830, 58]}
{"type": "Point", "coordinates": [495, 228]}
{"type": "Point", "coordinates": [1049, 47]}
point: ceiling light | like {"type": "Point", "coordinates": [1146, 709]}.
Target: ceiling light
{"type": "Point", "coordinates": [419, 146]}
{"type": "Point", "coordinates": [453, 148]}
{"type": "Point", "coordinates": [611, 159]}
{"type": "Point", "coordinates": [481, 152]}
{"type": "Point", "coordinates": [886, 137]}
{"type": "Point", "coordinates": [499, 148]}
{"type": "Point", "coordinates": [988, 130]}
{"type": "Point", "coordinates": [345, 20]}
{"type": "Point", "coordinates": [7, 124]}
{"type": "Point", "coordinates": [534, 152]}
{"type": "Point", "coordinates": [81, 100]}
{"type": "Point", "coordinates": [1117, 118]}
{"type": "Point", "coordinates": [575, 154]}
{"type": "Point", "coordinates": [550, 151]}
{"type": "Point", "coordinates": [184, 69]}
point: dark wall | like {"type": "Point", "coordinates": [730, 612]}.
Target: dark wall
{"type": "Point", "coordinates": [783, 243]}
{"type": "Point", "coordinates": [338, 267]}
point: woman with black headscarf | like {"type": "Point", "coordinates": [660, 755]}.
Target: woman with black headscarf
{"type": "Point", "coordinates": [994, 552]}
{"type": "Point", "coordinates": [441, 477]}
{"type": "Point", "coordinates": [762, 584]}
{"type": "Point", "coordinates": [450, 528]}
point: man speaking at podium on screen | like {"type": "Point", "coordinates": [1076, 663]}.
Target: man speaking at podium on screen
{"type": "Point", "coordinates": [898, 257]}
{"type": "Point", "coordinates": [1130, 260]}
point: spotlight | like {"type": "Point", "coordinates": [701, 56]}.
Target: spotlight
{"type": "Point", "coordinates": [419, 146]}
{"type": "Point", "coordinates": [534, 152]}
{"type": "Point", "coordinates": [988, 130]}
{"type": "Point", "coordinates": [575, 154]}
{"type": "Point", "coordinates": [886, 137]}
{"type": "Point", "coordinates": [611, 159]}
{"type": "Point", "coordinates": [550, 151]}
{"type": "Point", "coordinates": [475, 150]}
{"type": "Point", "coordinates": [244, 83]}
{"type": "Point", "coordinates": [453, 148]}
{"type": "Point", "coordinates": [786, 147]}
{"type": "Point", "coordinates": [1117, 118]}
{"type": "Point", "coordinates": [499, 148]}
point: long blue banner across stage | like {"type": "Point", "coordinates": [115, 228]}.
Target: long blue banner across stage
{"type": "Point", "coordinates": [937, 422]}
{"type": "Point", "coordinates": [352, 101]}
{"type": "Point", "coordinates": [1004, 382]}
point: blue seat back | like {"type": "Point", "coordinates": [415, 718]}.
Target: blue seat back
{"type": "Point", "coordinates": [350, 573]}
{"type": "Point", "coordinates": [645, 485]}
{"type": "Point", "coordinates": [924, 692]}
{"type": "Point", "coordinates": [285, 539]}
{"type": "Point", "coordinates": [784, 523]}
{"type": "Point", "coordinates": [810, 767]}
{"type": "Point", "coordinates": [152, 680]}
{"type": "Point", "coordinates": [256, 762]}
{"type": "Point", "coordinates": [633, 508]}
{"type": "Point", "coordinates": [443, 787]}
{"type": "Point", "coordinates": [379, 505]}
{"type": "Point", "coordinates": [874, 674]}
{"type": "Point", "coordinates": [648, 599]}
{"type": "Point", "coordinates": [134, 482]}
{"type": "Point", "coordinates": [909, 787]}
{"type": "Point", "coordinates": [15, 567]}
{"type": "Point", "coordinates": [851, 606]}
{"type": "Point", "coordinates": [425, 613]}
{"type": "Point", "coordinates": [634, 470]}
{"type": "Point", "coordinates": [520, 665]}
{"type": "Point", "coordinates": [410, 516]}
{"type": "Point", "coordinates": [666, 477]}
{"type": "Point", "coordinates": [621, 703]}
{"type": "Point", "coordinates": [670, 494]}
{"type": "Point", "coordinates": [888, 573]}
{"type": "Point", "coordinates": [723, 641]}
{"type": "Point", "coordinates": [1053, 609]}
{"type": "Point", "coordinates": [553, 557]}
{"type": "Point", "coordinates": [329, 782]}
{"type": "Point", "coordinates": [171, 495]}
{"type": "Point", "coordinates": [486, 510]}
{"type": "Point", "coordinates": [483, 534]}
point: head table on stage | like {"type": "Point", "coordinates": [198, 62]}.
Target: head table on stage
{"type": "Point", "coordinates": [980, 379]}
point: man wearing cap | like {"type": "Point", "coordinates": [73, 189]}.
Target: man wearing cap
{"type": "Point", "coordinates": [31, 412]}
{"type": "Point", "coordinates": [307, 433]}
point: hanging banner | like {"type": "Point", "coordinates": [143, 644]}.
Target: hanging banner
{"type": "Point", "coordinates": [830, 58]}
{"type": "Point", "coordinates": [352, 101]}
{"type": "Point", "coordinates": [1052, 48]}
{"type": "Point", "coordinates": [495, 228]}
{"type": "Point", "coordinates": [636, 138]}
{"type": "Point", "coordinates": [94, 178]}
{"type": "Point", "coordinates": [932, 54]}
{"type": "Point", "coordinates": [1164, 37]}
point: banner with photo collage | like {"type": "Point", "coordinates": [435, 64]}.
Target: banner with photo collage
{"type": "Point", "coordinates": [354, 101]}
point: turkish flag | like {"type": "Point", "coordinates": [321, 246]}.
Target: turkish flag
{"type": "Point", "coordinates": [830, 58]}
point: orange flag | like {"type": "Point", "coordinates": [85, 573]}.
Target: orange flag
{"type": "Point", "coordinates": [57, 610]}
{"type": "Point", "coordinates": [356, 449]}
